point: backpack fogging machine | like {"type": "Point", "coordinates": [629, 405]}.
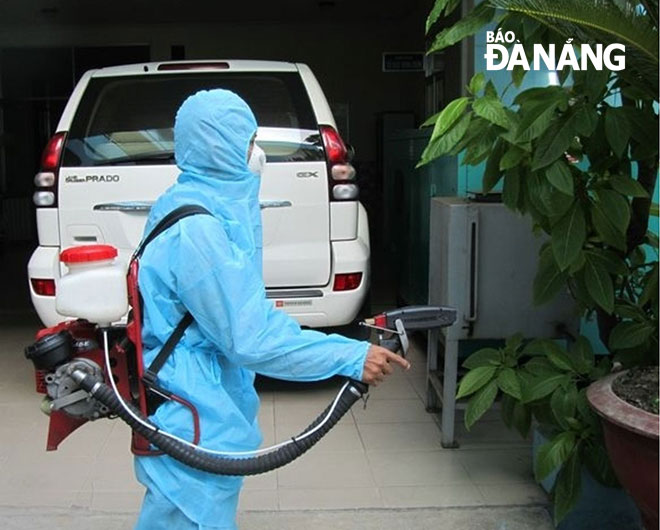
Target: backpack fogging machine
{"type": "Point", "coordinates": [89, 368]}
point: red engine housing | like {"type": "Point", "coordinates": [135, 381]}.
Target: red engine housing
{"type": "Point", "coordinates": [62, 424]}
{"type": "Point", "coordinates": [126, 365]}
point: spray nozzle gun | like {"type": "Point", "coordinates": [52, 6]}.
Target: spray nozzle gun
{"type": "Point", "coordinates": [392, 325]}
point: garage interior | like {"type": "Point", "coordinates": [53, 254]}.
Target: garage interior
{"type": "Point", "coordinates": [387, 456]}
{"type": "Point", "coordinates": [45, 46]}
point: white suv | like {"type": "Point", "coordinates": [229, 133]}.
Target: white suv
{"type": "Point", "coordinates": [112, 156]}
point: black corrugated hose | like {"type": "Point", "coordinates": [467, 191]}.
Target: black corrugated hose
{"type": "Point", "coordinates": [222, 465]}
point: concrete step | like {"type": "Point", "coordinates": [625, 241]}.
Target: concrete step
{"type": "Point", "coordinates": [474, 518]}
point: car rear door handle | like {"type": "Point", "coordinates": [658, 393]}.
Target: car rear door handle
{"type": "Point", "coordinates": [125, 206]}
{"type": "Point", "coordinates": [145, 206]}
{"type": "Point", "coordinates": [274, 204]}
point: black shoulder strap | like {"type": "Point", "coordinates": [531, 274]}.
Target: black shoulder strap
{"type": "Point", "coordinates": [149, 376]}
{"type": "Point", "coordinates": [169, 220]}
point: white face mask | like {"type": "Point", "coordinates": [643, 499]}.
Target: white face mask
{"type": "Point", "coordinates": [257, 160]}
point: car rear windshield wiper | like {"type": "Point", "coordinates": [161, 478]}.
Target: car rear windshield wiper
{"type": "Point", "coordinates": [142, 158]}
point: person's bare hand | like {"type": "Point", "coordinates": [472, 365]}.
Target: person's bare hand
{"type": "Point", "coordinates": [378, 364]}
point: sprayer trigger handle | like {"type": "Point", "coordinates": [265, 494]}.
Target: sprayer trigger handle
{"type": "Point", "coordinates": [393, 344]}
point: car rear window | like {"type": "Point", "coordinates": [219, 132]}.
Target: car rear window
{"type": "Point", "coordinates": [129, 120]}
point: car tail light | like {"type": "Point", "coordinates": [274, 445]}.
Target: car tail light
{"type": "Point", "coordinates": [341, 172]}
{"type": "Point", "coordinates": [43, 198]}
{"type": "Point", "coordinates": [46, 179]}
{"type": "Point", "coordinates": [43, 287]}
{"type": "Point", "coordinates": [347, 282]}
{"type": "Point", "coordinates": [193, 66]}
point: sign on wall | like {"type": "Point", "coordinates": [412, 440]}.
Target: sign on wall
{"type": "Point", "coordinates": [403, 62]}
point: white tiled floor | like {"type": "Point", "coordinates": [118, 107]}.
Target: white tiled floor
{"type": "Point", "coordinates": [388, 455]}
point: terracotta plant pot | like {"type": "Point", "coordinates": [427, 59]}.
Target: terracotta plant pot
{"type": "Point", "coordinates": [631, 437]}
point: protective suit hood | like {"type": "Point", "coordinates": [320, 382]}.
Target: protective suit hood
{"type": "Point", "coordinates": [212, 133]}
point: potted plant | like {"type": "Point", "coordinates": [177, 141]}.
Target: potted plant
{"type": "Point", "coordinates": [628, 406]}
{"type": "Point", "coordinates": [580, 158]}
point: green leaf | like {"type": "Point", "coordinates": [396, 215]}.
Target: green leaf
{"type": "Point", "coordinates": [598, 463]}
{"type": "Point", "coordinates": [650, 286]}
{"type": "Point", "coordinates": [543, 201]}
{"type": "Point", "coordinates": [599, 284]}
{"type": "Point", "coordinates": [539, 368]}
{"type": "Point", "coordinates": [595, 83]}
{"type": "Point", "coordinates": [465, 27]}
{"type": "Point", "coordinates": [522, 418]}
{"type": "Point", "coordinates": [479, 138]}
{"type": "Point", "coordinates": [554, 142]}
{"type": "Point", "coordinates": [479, 147]}
{"type": "Point", "coordinates": [585, 412]}
{"type": "Point", "coordinates": [617, 129]}
{"type": "Point", "coordinates": [517, 75]}
{"type": "Point", "coordinates": [628, 186]}
{"type": "Point", "coordinates": [577, 265]}
{"type": "Point", "coordinates": [628, 311]}
{"type": "Point", "coordinates": [541, 387]}
{"type": "Point", "coordinates": [442, 145]}
{"type": "Point", "coordinates": [567, 487]}
{"type": "Point", "coordinates": [561, 359]}
{"type": "Point", "coordinates": [630, 334]}
{"type": "Point", "coordinates": [477, 83]}
{"type": "Point", "coordinates": [549, 278]}
{"type": "Point", "coordinates": [559, 175]}
{"type": "Point", "coordinates": [608, 232]}
{"type": "Point", "coordinates": [475, 379]}
{"type": "Point", "coordinates": [492, 173]}
{"type": "Point", "coordinates": [483, 357]}
{"type": "Point", "coordinates": [449, 116]}
{"type": "Point", "coordinates": [430, 121]}
{"type": "Point", "coordinates": [480, 403]}
{"type": "Point", "coordinates": [440, 7]}
{"type": "Point", "coordinates": [490, 108]}
{"type": "Point", "coordinates": [568, 236]}
{"type": "Point", "coordinates": [536, 121]}
{"type": "Point", "coordinates": [508, 382]}
{"type": "Point", "coordinates": [541, 347]}
{"type": "Point", "coordinates": [490, 90]}
{"type": "Point", "coordinates": [511, 188]}
{"type": "Point", "coordinates": [616, 207]}
{"type": "Point", "coordinates": [608, 260]}
{"type": "Point", "coordinates": [644, 124]}
{"type": "Point", "coordinates": [539, 96]}
{"type": "Point", "coordinates": [586, 120]}
{"type": "Point", "coordinates": [563, 404]}
{"type": "Point", "coordinates": [553, 454]}
{"type": "Point", "coordinates": [507, 403]}
{"type": "Point", "coordinates": [584, 355]}
{"type": "Point", "coordinates": [512, 157]}
{"type": "Point", "coordinates": [514, 342]}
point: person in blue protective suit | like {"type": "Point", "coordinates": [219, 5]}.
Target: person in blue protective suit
{"type": "Point", "coordinates": [210, 265]}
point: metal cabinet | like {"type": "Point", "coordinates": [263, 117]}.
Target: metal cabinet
{"type": "Point", "coordinates": [482, 261]}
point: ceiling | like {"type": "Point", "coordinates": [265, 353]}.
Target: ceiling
{"type": "Point", "coordinates": [104, 12]}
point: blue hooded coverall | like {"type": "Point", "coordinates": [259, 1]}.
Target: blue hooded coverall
{"type": "Point", "coordinates": [211, 266]}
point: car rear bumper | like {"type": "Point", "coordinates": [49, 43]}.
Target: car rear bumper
{"type": "Point", "coordinates": [315, 307]}
{"type": "Point", "coordinates": [323, 307]}
{"type": "Point", "coordinates": [44, 263]}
